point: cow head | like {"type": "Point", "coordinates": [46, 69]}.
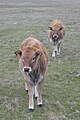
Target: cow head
{"type": "Point", "coordinates": [56, 32]}
{"type": "Point", "coordinates": [29, 58]}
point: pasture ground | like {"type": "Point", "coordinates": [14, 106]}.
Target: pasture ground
{"type": "Point", "coordinates": [61, 88]}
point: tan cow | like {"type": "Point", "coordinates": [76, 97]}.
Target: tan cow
{"type": "Point", "coordinates": [33, 60]}
{"type": "Point", "coordinates": [56, 33]}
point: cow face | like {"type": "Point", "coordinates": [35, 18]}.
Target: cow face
{"type": "Point", "coordinates": [56, 33]}
{"type": "Point", "coordinates": [29, 58]}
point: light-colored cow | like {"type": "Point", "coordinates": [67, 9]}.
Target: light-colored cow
{"type": "Point", "coordinates": [56, 33]}
{"type": "Point", "coordinates": [33, 60]}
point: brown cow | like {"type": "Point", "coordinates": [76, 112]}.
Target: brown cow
{"type": "Point", "coordinates": [56, 33]}
{"type": "Point", "coordinates": [33, 60]}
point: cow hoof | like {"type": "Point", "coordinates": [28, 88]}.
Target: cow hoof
{"type": "Point", "coordinates": [27, 91]}
{"type": "Point", "coordinates": [31, 110]}
{"type": "Point", "coordinates": [40, 105]}
{"type": "Point", "coordinates": [36, 98]}
{"type": "Point", "coordinates": [53, 56]}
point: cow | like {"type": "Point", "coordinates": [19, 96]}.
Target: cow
{"type": "Point", "coordinates": [55, 34]}
{"type": "Point", "coordinates": [33, 61]}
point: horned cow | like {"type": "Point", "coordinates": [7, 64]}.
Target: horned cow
{"type": "Point", "coordinates": [33, 60]}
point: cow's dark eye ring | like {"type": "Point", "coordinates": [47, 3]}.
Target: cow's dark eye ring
{"type": "Point", "coordinates": [33, 58]}
{"type": "Point", "coordinates": [60, 28]}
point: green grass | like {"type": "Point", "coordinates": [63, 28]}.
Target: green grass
{"type": "Point", "coordinates": [61, 87]}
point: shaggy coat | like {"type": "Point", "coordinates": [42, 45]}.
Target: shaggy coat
{"type": "Point", "coordinates": [56, 33]}
{"type": "Point", "coordinates": [33, 60]}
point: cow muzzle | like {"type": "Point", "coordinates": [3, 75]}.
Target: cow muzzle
{"type": "Point", "coordinates": [27, 69]}
{"type": "Point", "coordinates": [55, 36]}
{"type": "Point", "coordinates": [55, 39]}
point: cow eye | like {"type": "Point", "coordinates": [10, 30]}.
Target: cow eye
{"type": "Point", "coordinates": [50, 28]}
{"type": "Point", "coordinates": [60, 28]}
{"type": "Point", "coordinates": [33, 58]}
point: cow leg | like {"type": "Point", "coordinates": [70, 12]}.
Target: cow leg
{"type": "Point", "coordinates": [31, 94]}
{"type": "Point", "coordinates": [59, 47]}
{"type": "Point", "coordinates": [58, 53]}
{"type": "Point", "coordinates": [53, 54]}
{"type": "Point", "coordinates": [54, 51]}
{"type": "Point", "coordinates": [39, 98]}
{"type": "Point", "coordinates": [26, 88]}
{"type": "Point", "coordinates": [36, 91]}
{"type": "Point", "coordinates": [25, 81]}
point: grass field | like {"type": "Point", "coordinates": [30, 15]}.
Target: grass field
{"type": "Point", "coordinates": [61, 88]}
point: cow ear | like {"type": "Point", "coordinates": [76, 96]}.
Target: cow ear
{"type": "Point", "coordinates": [18, 53]}
{"type": "Point", "coordinates": [50, 28]}
{"type": "Point", "coordinates": [38, 53]}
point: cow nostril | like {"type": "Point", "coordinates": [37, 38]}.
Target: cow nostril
{"type": "Point", "coordinates": [26, 69]}
{"type": "Point", "coordinates": [55, 36]}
